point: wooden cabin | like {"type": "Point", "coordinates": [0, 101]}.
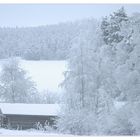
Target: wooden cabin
{"type": "Point", "coordinates": [1, 118]}
{"type": "Point", "coordinates": [26, 116]}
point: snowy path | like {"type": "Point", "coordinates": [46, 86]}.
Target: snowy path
{"type": "Point", "coordinates": [6, 132]}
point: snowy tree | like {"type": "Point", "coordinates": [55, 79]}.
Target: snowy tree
{"type": "Point", "coordinates": [48, 97]}
{"type": "Point", "coordinates": [135, 117]}
{"type": "Point", "coordinates": [115, 46]}
{"type": "Point", "coordinates": [84, 84]}
{"type": "Point", "coordinates": [125, 67]}
{"type": "Point", "coordinates": [15, 86]}
{"type": "Point", "coordinates": [117, 35]}
{"type": "Point", "coordinates": [121, 122]}
{"type": "Point", "coordinates": [105, 29]}
{"type": "Point", "coordinates": [111, 26]}
{"type": "Point", "coordinates": [127, 64]}
{"type": "Point", "coordinates": [132, 66]}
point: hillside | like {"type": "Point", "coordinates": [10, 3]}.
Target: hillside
{"type": "Point", "coordinates": [47, 75]}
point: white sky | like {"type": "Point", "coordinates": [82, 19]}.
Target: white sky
{"type": "Point", "coordinates": [43, 14]}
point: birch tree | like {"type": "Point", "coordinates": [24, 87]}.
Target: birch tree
{"type": "Point", "coordinates": [16, 87]}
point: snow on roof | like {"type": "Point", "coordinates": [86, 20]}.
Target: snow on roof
{"type": "Point", "coordinates": [30, 109]}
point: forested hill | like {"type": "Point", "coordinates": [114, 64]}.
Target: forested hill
{"type": "Point", "coordinates": [50, 42]}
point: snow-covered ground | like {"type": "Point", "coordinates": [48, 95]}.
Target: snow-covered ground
{"type": "Point", "coordinates": [47, 75]}
{"type": "Point", "coordinates": [30, 132]}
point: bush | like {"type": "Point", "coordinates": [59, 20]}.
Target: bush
{"type": "Point", "coordinates": [135, 119]}
{"type": "Point", "coordinates": [77, 123]}
{"type": "Point", "coordinates": [46, 127]}
{"type": "Point", "coordinates": [122, 124]}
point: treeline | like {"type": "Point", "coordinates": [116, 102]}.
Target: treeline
{"type": "Point", "coordinates": [40, 43]}
{"type": "Point", "coordinates": [104, 69]}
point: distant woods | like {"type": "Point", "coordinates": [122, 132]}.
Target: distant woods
{"type": "Point", "coordinates": [40, 43]}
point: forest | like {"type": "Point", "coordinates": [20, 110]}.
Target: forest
{"type": "Point", "coordinates": [102, 82]}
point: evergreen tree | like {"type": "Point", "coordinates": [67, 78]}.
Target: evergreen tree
{"type": "Point", "coordinates": [110, 27]}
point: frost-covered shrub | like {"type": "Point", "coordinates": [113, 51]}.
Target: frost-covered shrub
{"type": "Point", "coordinates": [78, 123]}
{"type": "Point", "coordinates": [122, 124]}
{"type": "Point", "coordinates": [136, 118]}
{"type": "Point", "coordinates": [44, 127]}
{"type": "Point", "coordinates": [38, 126]}
{"type": "Point", "coordinates": [47, 127]}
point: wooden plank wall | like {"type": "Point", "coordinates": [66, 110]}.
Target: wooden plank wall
{"type": "Point", "coordinates": [26, 122]}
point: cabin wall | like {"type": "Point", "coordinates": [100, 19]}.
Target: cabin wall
{"type": "Point", "coordinates": [27, 122]}
{"type": "Point", "coordinates": [1, 120]}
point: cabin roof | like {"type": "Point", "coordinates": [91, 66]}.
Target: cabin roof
{"type": "Point", "coordinates": [29, 109]}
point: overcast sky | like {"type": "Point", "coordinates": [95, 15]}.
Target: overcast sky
{"type": "Point", "coordinates": [43, 14]}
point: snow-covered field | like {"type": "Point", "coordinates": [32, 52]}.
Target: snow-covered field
{"type": "Point", "coordinates": [30, 132]}
{"type": "Point", "coordinates": [46, 74]}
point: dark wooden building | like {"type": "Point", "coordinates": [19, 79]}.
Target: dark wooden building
{"type": "Point", "coordinates": [26, 116]}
